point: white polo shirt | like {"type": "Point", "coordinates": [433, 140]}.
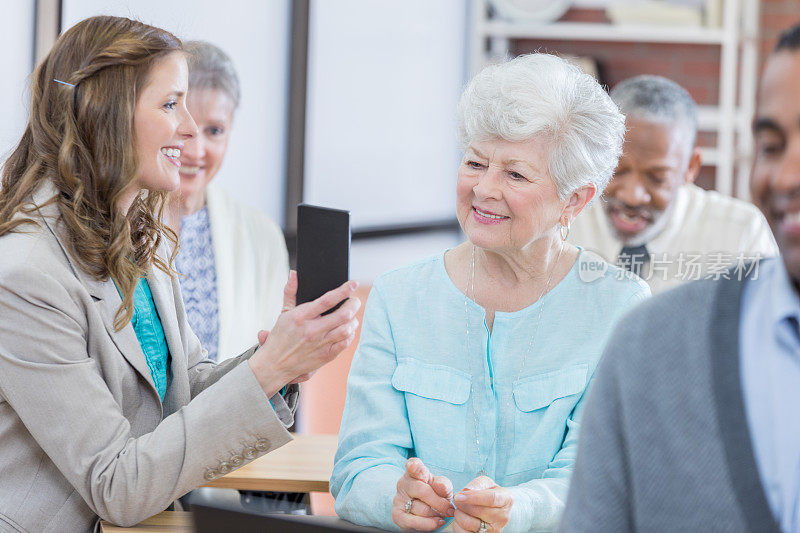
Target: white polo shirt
{"type": "Point", "coordinates": [706, 234]}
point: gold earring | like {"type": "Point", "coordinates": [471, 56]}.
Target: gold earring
{"type": "Point", "coordinates": [564, 230]}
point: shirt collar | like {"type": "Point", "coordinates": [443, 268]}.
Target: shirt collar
{"type": "Point", "coordinates": [785, 300]}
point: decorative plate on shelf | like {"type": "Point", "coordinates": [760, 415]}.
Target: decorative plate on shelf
{"type": "Point", "coordinates": [530, 10]}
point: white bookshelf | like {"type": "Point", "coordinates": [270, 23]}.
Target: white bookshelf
{"type": "Point", "coordinates": [585, 31]}
{"type": "Point", "coordinates": [738, 42]}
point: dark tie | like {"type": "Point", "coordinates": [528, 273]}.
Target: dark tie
{"type": "Point", "coordinates": [633, 258]}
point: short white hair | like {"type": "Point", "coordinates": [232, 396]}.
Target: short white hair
{"type": "Point", "coordinates": [211, 68]}
{"type": "Point", "coordinates": [658, 99]}
{"type": "Point", "coordinates": [544, 95]}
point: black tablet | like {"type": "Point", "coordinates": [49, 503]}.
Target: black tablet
{"type": "Point", "coordinates": [323, 251]}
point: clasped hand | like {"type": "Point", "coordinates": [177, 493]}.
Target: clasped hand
{"type": "Point", "coordinates": [432, 499]}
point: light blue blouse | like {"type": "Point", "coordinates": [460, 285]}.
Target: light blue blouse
{"type": "Point", "coordinates": [411, 381]}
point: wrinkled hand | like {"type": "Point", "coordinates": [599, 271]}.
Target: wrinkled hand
{"type": "Point", "coordinates": [303, 340]}
{"type": "Point", "coordinates": [429, 495]}
{"type": "Point", "coordinates": [482, 499]}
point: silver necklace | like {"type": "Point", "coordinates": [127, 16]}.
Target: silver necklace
{"type": "Point", "coordinates": [483, 463]}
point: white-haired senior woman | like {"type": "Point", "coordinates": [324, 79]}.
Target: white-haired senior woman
{"type": "Point", "coordinates": [465, 395]}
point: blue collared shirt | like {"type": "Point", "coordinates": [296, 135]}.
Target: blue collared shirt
{"type": "Point", "coordinates": [770, 374]}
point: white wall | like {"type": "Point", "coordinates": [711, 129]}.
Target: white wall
{"type": "Point", "coordinates": [16, 65]}
{"type": "Point", "coordinates": [256, 36]}
{"type": "Point", "coordinates": [371, 257]}
{"type": "Point", "coordinates": [384, 81]}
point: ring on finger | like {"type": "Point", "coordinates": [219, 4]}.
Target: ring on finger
{"type": "Point", "coordinates": [409, 504]}
{"type": "Point", "coordinates": [482, 528]}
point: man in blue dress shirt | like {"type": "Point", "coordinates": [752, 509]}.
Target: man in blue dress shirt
{"type": "Point", "coordinates": [694, 420]}
{"type": "Point", "coordinates": [769, 335]}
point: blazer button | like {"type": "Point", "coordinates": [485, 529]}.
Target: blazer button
{"type": "Point", "coordinates": [224, 468]}
{"type": "Point", "coordinates": [250, 453]}
{"type": "Point", "coordinates": [262, 445]}
{"type": "Point", "coordinates": [211, 474]}
{"type": "Point", "coordinates": [236, 460]}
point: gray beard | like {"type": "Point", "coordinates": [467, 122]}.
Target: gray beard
{"type": "Point", "coordinates": [648, 234]}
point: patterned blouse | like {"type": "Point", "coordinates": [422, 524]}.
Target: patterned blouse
{"type": "Point", "coordinates": [195, 262]}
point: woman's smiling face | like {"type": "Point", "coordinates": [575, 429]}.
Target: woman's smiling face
{"type": "Point", "coordinates": [506, 198]}
{"type": "Point", "coordinates": [162, 124]}
{"type": "Point", "coordinates": [202, 155]}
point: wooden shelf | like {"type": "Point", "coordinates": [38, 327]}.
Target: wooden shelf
{"type": "Point", "coordinates": [584, 31]}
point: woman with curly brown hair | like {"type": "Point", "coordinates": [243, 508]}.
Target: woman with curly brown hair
{"type": "Point", "coordinates": [108, 405]}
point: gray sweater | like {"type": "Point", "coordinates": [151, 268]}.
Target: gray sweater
{"type": "Point", "coordinates": [665, 443]}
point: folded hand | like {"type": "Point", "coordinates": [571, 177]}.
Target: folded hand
{"type": "Point", "coordinates": [482, 501]}
{"type": "Point", "coordinates": [422, 499]}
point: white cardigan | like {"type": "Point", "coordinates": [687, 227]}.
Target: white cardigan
{"type": "Point", "coordinates": [252, 267]}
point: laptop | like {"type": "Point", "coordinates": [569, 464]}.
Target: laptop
{"type": "Point", "coordinates": [210, 519]}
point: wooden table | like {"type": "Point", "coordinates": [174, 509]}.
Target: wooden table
{"type": "Point", "coordinates": [303, 465]}
{"type": "Point", "coordinates": [166, 522]}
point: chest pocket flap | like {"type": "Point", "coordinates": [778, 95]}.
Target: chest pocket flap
{"type": "Point", "coordinates": [540, 390]}
{"type": "Point", "coordinates": [435, 382]}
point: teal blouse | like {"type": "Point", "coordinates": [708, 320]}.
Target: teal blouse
{"type": "Point", "coordinates": [150, 334]}
{"type": "Point", "coordinates": [147, 326]}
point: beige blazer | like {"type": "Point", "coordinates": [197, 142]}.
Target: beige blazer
{"type": "Point", "coordinates": [83, 433]}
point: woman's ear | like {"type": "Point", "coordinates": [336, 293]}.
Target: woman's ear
{"type": "Point", "coordinates": [577, 201]}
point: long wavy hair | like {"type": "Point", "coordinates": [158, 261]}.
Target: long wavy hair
{"type": "Point", "coordinates": [81, 138]}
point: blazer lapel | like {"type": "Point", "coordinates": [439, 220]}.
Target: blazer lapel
{"type": "Point", "coordinates": [125, 339]}
{"type": "Point", "coordinates": [731, 415]}
{"type": "Point", "coordinates": [178, 392]}
{"type": "Point", "coordinates": [103, 292]}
